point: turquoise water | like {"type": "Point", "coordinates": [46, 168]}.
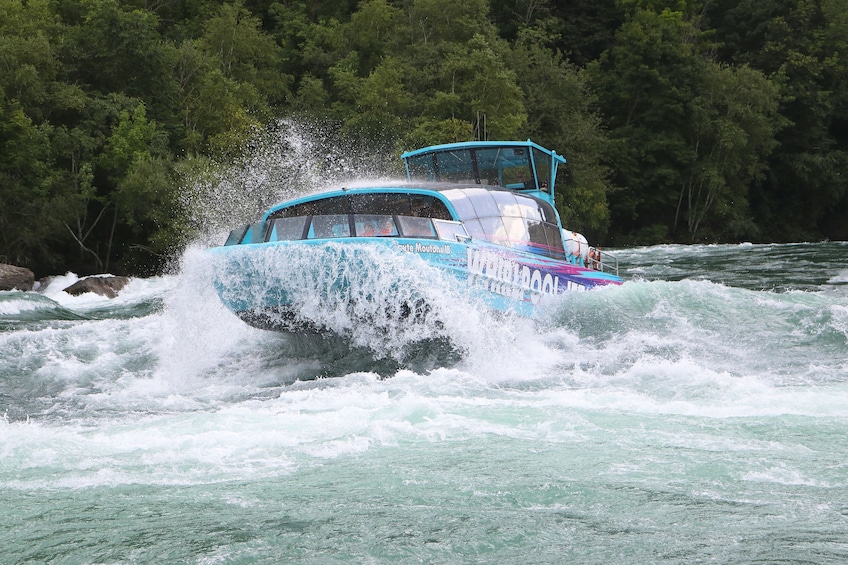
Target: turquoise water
{"type": "Point", "coordinates": [696, 414]}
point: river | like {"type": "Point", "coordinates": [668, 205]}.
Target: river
{"type": "Point", "coordinates": [697, 413]}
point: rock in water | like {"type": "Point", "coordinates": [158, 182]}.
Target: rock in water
{"type": "Point", "coordinates": [104, 286]}
{"type": "Point", "coordinates": [15, 278]}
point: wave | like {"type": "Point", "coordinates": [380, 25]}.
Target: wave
{"type": "Point", "coordinates": [839, 279]}
{"type": "Point", "coordinates": [18, 307]}
{"type": "Point", "coordinates": [308, 424]}
{"type": "Point", "coordinates": [779, 267]}
{"type": "Point", "coordinates": [782, 337]}
{"type": "Point", "coordinates": [168, 345]}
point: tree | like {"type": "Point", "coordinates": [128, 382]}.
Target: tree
{"type": "Point", "coordinates": [145, 201]}
{"type": "Point", "coordinates": [562, 115]}
{"type": "Point", "coordinates": [25, 186]}
{"type": "Point", "coordinates": [35, 196]}
{"type": "Point", "coordinates": [122, 51]}
{"type": "Point", "coordinates": [375, 104]}
{"type": "Point", "coordinates": [644, 83]}
{"type": "Point", "coordinates": [247, 55]}
{"type": "Point", "coordinates": [376, 29]}
{"type": "Point", "coordinates": [803, 46]}
{"type": "Point", "coordinates": [689, 136]}
{"type": "Point", "coordinates": [579, 29]}
{"type": "Point", "coordinates": [447, 21]}
{"type": "Point", "coordinates": [734, 118]}
{"type": "Point", "coordinates": [462, 75]}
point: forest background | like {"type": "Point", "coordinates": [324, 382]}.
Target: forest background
{"type": "Point", "coordinates": [682, 121]}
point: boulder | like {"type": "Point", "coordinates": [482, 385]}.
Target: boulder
{"type": "Point", "coordinates": [15, 278]}
{"type": "Point", "coordinates": [104, 286]}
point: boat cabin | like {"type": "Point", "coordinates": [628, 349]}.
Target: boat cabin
{"type": "Point", "coordinates": [449, 213]}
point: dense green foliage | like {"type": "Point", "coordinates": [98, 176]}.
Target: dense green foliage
{"type": "Point", "coordinates": [682, 121]}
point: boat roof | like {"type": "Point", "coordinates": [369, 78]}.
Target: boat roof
{"type": "Point", "coordinates": [481, 145]}
{"type": "Point", "coordinates": [410, 187]}
{"type": "Point", "coordinates": [431, 188]}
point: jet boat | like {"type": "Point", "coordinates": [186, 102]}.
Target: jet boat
{"type": "Point", "coordinates": [480, 213]}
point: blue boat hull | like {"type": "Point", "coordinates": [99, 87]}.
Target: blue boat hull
{"type": "Point", "coordinates": [296, 285]}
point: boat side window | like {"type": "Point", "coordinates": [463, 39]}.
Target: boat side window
{"type": "Point", "coordinates": [450, 231]}
{"type": "Point", "coordinates": [508, 204]}
{"type": "Point", "coordinates": [548, 214]}
{"type": "Point", "coordinates": [475, 229]}
{"type": "Point", "coordinates": [256, 233]}
{"type": "Point", "coordinates": [423, 206]}
{"type": "Point", "coordinates": [372, 225]}
{"type": "Point", "coordinates": [489, 162]}
{"type": "Point", "coordinates": [504, 198]}
{"type": "Point", "coordinates": [323, 207]}
{"type": "Point", "coordinates": [531, 211]}
{"type": "Point", "coordinates": [554, 235]}
{"type": "Point", "coordinates": [520, 174]}
{"type": "Point", "coordinates": [331, 226]}
{"type": "Point", "coordinates": [515, 231]}
{"type": "Point", "coordinates": [381, 203]}
{"type": "Point", "coordinates": [400, 204]}
{"type": "Point", "coordinates": [529, 207]}
{"type": "Point", "coordinates": [416, 227]}
{"type": "Point", "coordinates": [422, 167]}
{"type": "Point", "coordinates": [455, 166]}
{"type": "Point", "coordinates": [543, 169]}
{"type": "Point", "coordinates": [538, 234]}
{"type": "Point", "coordinates": [236, 236]}
{"type": "Point", "coordinates": [332, 206]}
{"type": "Point", "coordinates": [287, 229]}
{"type": "Point", "coordinates": [304, 209]}
{"type": "Point", "coordinates": [495, 231]}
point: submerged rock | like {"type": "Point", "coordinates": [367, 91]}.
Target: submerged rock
{"type": "Point", "coordinates": [42, 283]}
{"type": "Point", "coordinates": [15, 278]}
{"type": "Point", "coordinates": [104, 286]}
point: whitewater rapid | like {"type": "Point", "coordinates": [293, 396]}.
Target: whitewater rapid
{"type": "Point", "coordinates": [695, 413]}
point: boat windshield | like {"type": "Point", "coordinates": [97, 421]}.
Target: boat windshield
{"type": "Point", "coordinates": [520, 168]}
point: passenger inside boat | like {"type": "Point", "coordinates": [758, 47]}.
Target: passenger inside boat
{"type": "Point", "coordinates": [386, 227]}
{"type": "Point", "coordinates": [375, 226]}
{"type": "Point", "coordinates": [369, 229]}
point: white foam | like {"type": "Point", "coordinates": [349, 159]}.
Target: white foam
{"type": "Point", "coordinates": [15, 303]}
{"type": "Point", "coordinates": [135, 291]}
{"type": "Point", "coordinates": [839, 278]}
{"type": "Point", "coordinates": [784, 475]}
{"type": "Point", "coordinates": [196, 437]}
{"type": "Point", "coordinates": [58, 284]}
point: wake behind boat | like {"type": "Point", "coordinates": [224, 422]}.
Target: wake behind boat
{"type": "Point", "coordinates": [482, 212]}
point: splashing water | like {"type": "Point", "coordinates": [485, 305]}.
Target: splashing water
{"type": "Point", "coordinates": [291, 160]}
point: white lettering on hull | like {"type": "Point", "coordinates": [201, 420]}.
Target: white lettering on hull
{"type": "Point", "coordinates": [425, 248]}
{"type": "Point", "coordinates": [503, 276]}
{"type": "Point", "coordinates": [430, 248]}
